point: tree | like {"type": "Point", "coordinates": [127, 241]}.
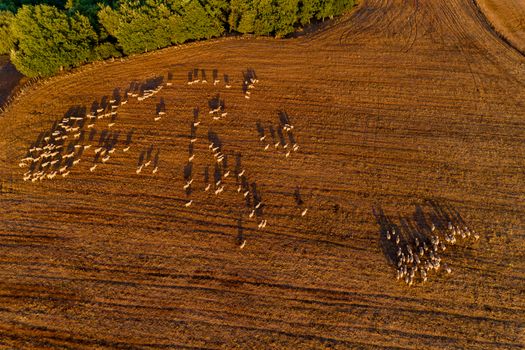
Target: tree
{"type": "Point", "coordinates": [193, 22]}
{"type": "Point", "coordinates": [307, 10]}
{"type": "Point", "coordinates": [48, 40]}
{"type": "Point", "coordinates": [139, 25]}
{"type": "Point", "coordinates": [6, 44]}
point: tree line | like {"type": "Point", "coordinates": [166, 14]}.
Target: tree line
{"type": "Point", "coordinates": [45, 37]}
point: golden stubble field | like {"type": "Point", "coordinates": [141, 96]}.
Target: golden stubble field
{"type": "Point", "coordinates": [406, 114]}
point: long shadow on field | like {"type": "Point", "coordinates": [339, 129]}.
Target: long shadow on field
{"type": "Point", "coordinates": [216, 102]}
{"type": "Point", "coordinates": [414, 243]}
{"type": "Point", "coordinates": [213, 137]}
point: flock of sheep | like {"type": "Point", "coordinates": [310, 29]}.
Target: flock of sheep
{"type": "Point", "coordinates": [416, 259]}
{"type": "Point", "coordinates": [61, 148]}
{"type": "Point", "coordinates": [58, 150]}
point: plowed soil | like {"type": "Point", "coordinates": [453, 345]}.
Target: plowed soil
{"type": "Point", "coordinates": [399, 109]}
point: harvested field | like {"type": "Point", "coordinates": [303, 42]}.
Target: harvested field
{"type": "Point", "coordinates": [508, 18]}
{"type": "Point", "coordinates": [405, 114]}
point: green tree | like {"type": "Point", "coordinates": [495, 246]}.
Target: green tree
{"type": "Point", "coordinates": [287, 16]}
{"type": "Point", "coordinates": [6, 44]}
{"type": "Point", "coordinates": [307, 10]}
{"type": "Point", "coordinates": [48, 40]}
{"type": "Point", "coordinates": [194, 22]}
{"type": "Point", "coordinates": [139, 25]}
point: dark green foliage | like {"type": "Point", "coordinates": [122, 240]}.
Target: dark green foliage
{"type": "Point", "coordinates": [104, 50]}
{"type": "Point", "coordinates": [46, 36]}
{"type": "Point", "coordinates": [48, 40]}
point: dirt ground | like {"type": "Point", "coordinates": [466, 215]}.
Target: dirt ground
{"type": "Point", "coordinates": [401, 111]}
{"type": "Point", "coordinates": [508, 18]}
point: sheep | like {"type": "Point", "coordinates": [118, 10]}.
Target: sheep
{"type": "Point", "coordinates": [246, 194]}
{"type": "Point", "coordinates": [75, 162]}
{"type": "Point", "coordinates": [226, 174]}
{"type": "Point", "coordinates": [126, 149]}
{"type": "Point", "coordinates": [227, 86]}
{"type": "Point", "coordinates": [266, 147]}
{"type": "Point", "coordinates": [93, 168]}
{"type": "Point", "coordinates": [110, 125]}
{"type": "Point", "coordinates": [219, 190]}
{"type": "Point", "coordinates": [207, 188]}
{"type": "Point", "coordinates": [196, 123]}
{"type": "Point", "coordinates": [258, 205]}
{"type": "Point", "coordinates": [252, 213]}
{"type": "Point", "coordinates": [242, 244]}
{"type": "Point", "coordinates": [139, 169]}
{"type": "Point", "coordinates": [193, 140]}
{"type": "Point", "coordinates": [105, 159]}
{"type": "Point", "coordinates": [161, 113]}
{"type": "Point", "coordinates": [157, 118]}
{"type": "Point", "coordinates": [111, 150]}
{"type": "Point", "coordinates": [303, 213]}
{"type": "Point", "coordinates": [188, 203]}
{"type": "Point", "coordinates": [64, 168]}
{"type": "Point", "coordinates": [190, 159]}
{"type": "Point", "coordinates": [247, 97]}
{"type": "Point", "coordinates": [65, 174]}
{"type": "Point", "coordinates": [287, 154]}
{"type": "Point", "coordinates": [241, 173]}
{"type": "Point", "coordinates": [224, 114]}
{"type": "Point", "coordinates": [188, 184]}
{"type": "Point", "coordinates": [147, 163]}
